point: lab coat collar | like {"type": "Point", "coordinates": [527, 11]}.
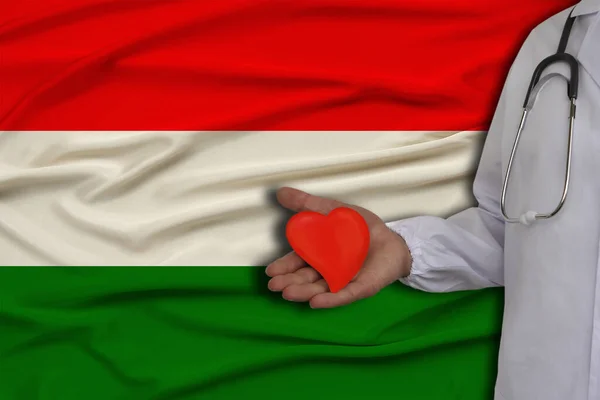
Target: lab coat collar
{"type": "Point", "coordinates": [586, 7]}
{"type": "Point", "coordinates": [589, 56]}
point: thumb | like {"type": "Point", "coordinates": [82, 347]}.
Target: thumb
{"type": "Point", "coordinates": [356, 290]}
{"type": "Point", "coordinates": [297, 200]}
{"type": "Point", "coordinates": [372, 277]}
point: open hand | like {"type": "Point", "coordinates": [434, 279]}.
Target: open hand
{"type": "Point", "coordinates": [388, 259]}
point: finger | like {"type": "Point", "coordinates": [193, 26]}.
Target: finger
{"type": "Point", "coordinates": [302, 276]}
{"type": "Point", "coordinates": [304, 292]}
{"type": "Point", "coordinates": [287, 264]}
{"type": "Point", "coordinates": [297, 200]}
{"type": "Point", "coordinates": [354, 291]}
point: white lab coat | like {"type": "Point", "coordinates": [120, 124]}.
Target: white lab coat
{"type": "Point", "coordinates": [550, 346]}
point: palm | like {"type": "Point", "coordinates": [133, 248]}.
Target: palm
{"type": "Point", "coordinates": [299, 282]}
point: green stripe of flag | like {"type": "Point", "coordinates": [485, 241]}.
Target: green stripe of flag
{"type": "Point", "coordinates": [216, 333]}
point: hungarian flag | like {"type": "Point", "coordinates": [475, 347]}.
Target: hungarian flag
{"type": "Point", "coordinates": [153, 133]}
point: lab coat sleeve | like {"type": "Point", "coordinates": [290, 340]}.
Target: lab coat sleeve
{"type": "Point", "coordinates": [466, 250]}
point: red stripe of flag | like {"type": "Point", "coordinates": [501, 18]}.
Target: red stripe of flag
{"type": "Point", "coordinates": [258, 64]}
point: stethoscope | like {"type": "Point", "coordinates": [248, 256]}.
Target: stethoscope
{"type": "Point", "coordinates": [533, 91]}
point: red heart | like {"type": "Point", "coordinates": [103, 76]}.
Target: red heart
{"type": "Point", "coordinates": [336, 245]}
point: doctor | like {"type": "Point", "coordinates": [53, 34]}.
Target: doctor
{"type": "Point", "coordinates": [543, 250]}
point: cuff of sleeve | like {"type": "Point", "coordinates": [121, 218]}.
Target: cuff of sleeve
{"type": "Point", "coordinates": [406, 228]}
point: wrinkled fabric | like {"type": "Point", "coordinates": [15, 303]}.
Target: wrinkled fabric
{"type": "Point", "coordinates": [192, 198]}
